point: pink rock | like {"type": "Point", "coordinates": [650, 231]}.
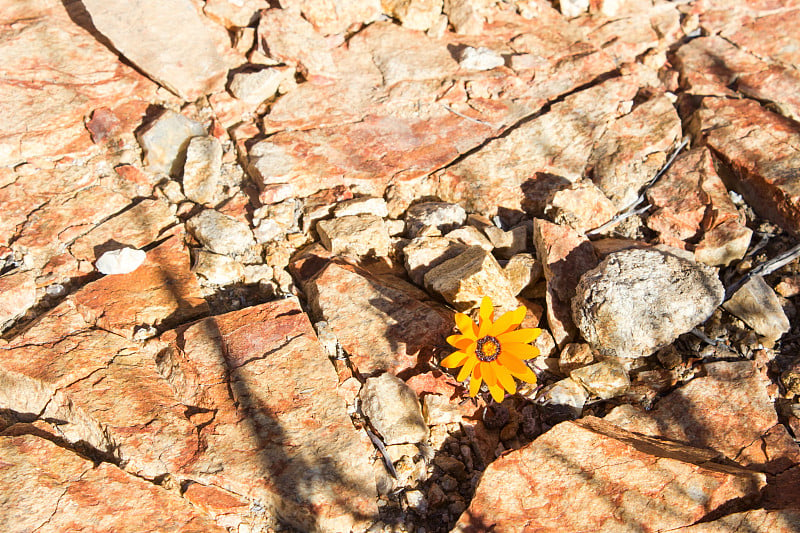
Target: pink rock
{"type": "Point", "coordinates": [287, 37]}
{"type": "Point", "coordinates": [565, 256]}
{"type": "Point", "coordinates": [614, 480]}
{"type": "Point", "coordinates": [161, 291]}
{"type": "Point", "coordinates": [692, 204]}
{"type": "Point", "coordinates": [397, 327]}
{"type": "Point", "coordinates": [136, 227]}
{"type": "Point", "coordinates": [47, 230]}
{"type": "Point", "coordinates": [327, 19]}
{"type": "Point", "coordinates": [774, 521]}
{"type": "Point", "coordinates": [729, 410]}
{"type": "Point", "coordinates": [781, 48]}
{"type": "Point", "coordinates": [17, 295]}
{"type": "Point", "coordinates": [183, 58]}
{"type": "Point", "coordinates": [59, 490]}
{"type": "Point", "coordinates": [633, 149]}
{"type": "Point", "coordinates": [54, 74]}
{"type": "Point", "coordinates": [264, 396]}
{"type": "Point", "coordinates": [758, 145]}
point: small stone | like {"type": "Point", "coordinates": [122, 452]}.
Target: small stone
{"type": "Point", "coordinates": [414, 14]}
{"type": "Point", "coordinates": [172, 192]}
{"type": "Point", "coordinates": [581, 205]}
{"type": "Point", "coordinates": [165, 141]}
{"type": "Point", "coordinates": [416, 501]}
{"type": "Point", "coordinates": [222, 234]}
{"type": "Point", "coordinates": [573, 8]}
{"type": "Point", "coordinates": [268, 230]}
{"type": "Point", "coordinates": [465, 15]}
{"type": "Point", "coordinates": [365, 205]}
{"type": "Point", "coordinates": [480, 58]}
{"type": "Point", "coordinates": [257, 273]}
{"type": "Point", "coordinates": [217, 269]}
{"type": "Point", "coordinates": [438, 409]}
{"type": "Point", "coordinates": [393, 410]}
{"type": "Point", "coordinates": [606, 379]}
{"type": "Point", "coordinates": [789, 286]}
{"type": "Point", "coordinates": [202, 171]}
{"type": "Point", "coordinates": [465, 279]}
{"type": "Point", "coordinates": [757, 304]}
{"type": "Point", "coordinates": [575, 355]}
{"type": "Point", "coordinates": [122, 261]}
{"type": "Point", "coordinates": [423, 254]}
{"type": "Point", "coordinates": [355, 235]}
{"type": "Point", "coordinates": [255, 87]}
{"type": "Point", "coordinates": [566, 392]}
{"type": "Point", "coordinates": [470, 236]}
{"type": "Point", "coordinates": [441, 215]}
{"type": "Point", "coordinates": [522, 271]}
{"type": "Point", "coordinates": [638, 300]}
{"type": "Point", "coordinates": [508, 243]}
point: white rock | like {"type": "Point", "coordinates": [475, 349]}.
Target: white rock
{"type": "Point", "coordinates": [573, 8]}
{"type": "Point", "coordinates": [440, 215]}
{"type": "Point", "coordinates": [217, 269]}
{"type": "Point", "coordinates": [165, 141]}
{"type": "Point", "coordinates": [220, 233]}
{"type": "Point", "coordinates": [393, 410]}
{"type": "Point", "coordinates": [565, 392]}
{"type": "Point", "coordinates": [480, 59]}
{"type": "Point", "coordinates": [605, 379]}
{"type": "Point", "coordinates": [122, 261]}
{"type": "Point", "coordinates": [202, 170]}
{"type": "Point", "coordinates": [362, 206]}
{"type": "Point", "coordinates": [255, 87]}
{"type": "Point", "coordinates": [758, 305]}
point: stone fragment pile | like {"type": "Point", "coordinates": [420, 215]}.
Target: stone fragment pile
{"type": "Point", "coordinates": [234, 235]}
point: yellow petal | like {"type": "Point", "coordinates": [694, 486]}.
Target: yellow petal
{"type": "Point", "coordinates": [475, 382]}
{"type": "Point", "coordinates": [514, 365]}
{"type": "Point", "coordinates": [487, 371]}
{"type": "Point", "coordinates": [521, 335]}
{"type": "Point", "coordinates": [521, 351]}
{"type": "Point", "coordinates": [504, 379]}
{"type": "Point", "coordinates": [469, 364]}
{"type": "Point", "coordinates": [454, 359]}
{"type": "Point", "coordinates": [461, 342]}
{"type": "Point", "coordinates": [508, 321]}
{"type": "Point", "coordinates": [527, 375]}
{"type": "Point", "coordinates": [485, 314]}
{"type": "Point", "coordinates": [466, 325]}
{"type": "Point", "coordinates": [497, 392]}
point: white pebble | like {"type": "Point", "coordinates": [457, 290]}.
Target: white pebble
{"type": "Point", "coordinates": [121, 261]}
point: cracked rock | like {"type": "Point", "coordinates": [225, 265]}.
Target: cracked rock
{"type": "Point", "coordinates": [355, 235]}
{"type": "Point", "coordinates": [222, 234]}
{"type": "Point", "coordinates": [165, 142]}
{"type": "Point", "coordinates": [202, 171]}
{"type": "Point", "coordinates": [637, 301]}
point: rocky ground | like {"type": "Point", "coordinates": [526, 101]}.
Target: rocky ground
{"type": "Point", "coordinates": [234, 234]}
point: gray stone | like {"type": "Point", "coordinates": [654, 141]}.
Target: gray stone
{"type": "Point", "coordinates": [201, 172]}
{"type": "Point", "coordinates": [217, 269]}
{"type": "Point", "coordinates": [758, 305]}
{"type": "Point", "coordinates": [480, 58]}
{"type": "Point", "coordinates": [393, 410]}
{"type": "Point", "coordinates": [471, 236]}
{"type": "Point", "coordinates": [636, 301]}
{"type": "Point", "coordinates": [606, 379]}
{"type": "Point", "coordinates": [122, 261]}
{"type": "Point", "coordinates": [441, 215]}
{"type": "Point", "coordinates": [566, 392]}
{"type": "Point", "coordinates": [465, 279]}
{"type": "Point", "coordinates": [166, 39]}
{"type": "Point", "coordinates": [508, 243]}
{"type": "Point", "coordinates": [221, 234]}
{"type": "Point", "coordinates": [366, 205]}
{"type": "Point", "coordinates": [425, 253]}
{"type": "Point", "coordinates": [522, 271]}
{"type": "Point", "coordinates": [164, 142]}
{"type": "Point", "coordinates": [255, 87]}
{"type": "Point", "coordinates": [355, 235]}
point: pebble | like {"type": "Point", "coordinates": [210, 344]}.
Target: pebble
{"type": "Point", "coordinates": [220, 233]}
{"type": "Point", "coordinates": [393, 410]}
{"type": "Point", "coordinates": [606, 379]}
{"type": "Point", "coordinates": [122, 261]}
{"type": "Point", "coordinates": [758, 305]}
{"type": "Point", "coordinates": [480, 58]}
{"type": "Point", "coordinates": [217, 269]}
{"type": "Point", "coordinates": [165, 141]}
{"type": "Point", "coordinates": [440, 215]}
{"type": "Point", "coordinates": [202, 171]}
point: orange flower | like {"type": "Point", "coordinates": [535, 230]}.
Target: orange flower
{"type": "Point", "coordinates": [493, 351]}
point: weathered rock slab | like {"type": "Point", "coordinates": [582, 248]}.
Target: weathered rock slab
{"type": "Point", "coordinates": [639, 300]}
{"type": "Point", "coordinates": [616, 480]}
{"type": "Point", "coordinates": [56, 490]}
{"type": "Point", "coordinates": [181, 57]}
{"type": "Point", "coordinates": [393, 409]}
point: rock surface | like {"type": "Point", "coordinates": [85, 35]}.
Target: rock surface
{"type": "Point", "coordinates": [393, 410]}
{"type": "Point", "coordinates": [637, 301]}
{"type": "Point", "coordinates": [623, 492]}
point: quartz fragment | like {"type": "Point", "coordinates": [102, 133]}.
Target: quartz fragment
{"type": "Point", "coordinates": [122, 261]}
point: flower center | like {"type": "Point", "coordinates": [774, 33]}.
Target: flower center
{"type": "Point", "coordinates": [488, 349]}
